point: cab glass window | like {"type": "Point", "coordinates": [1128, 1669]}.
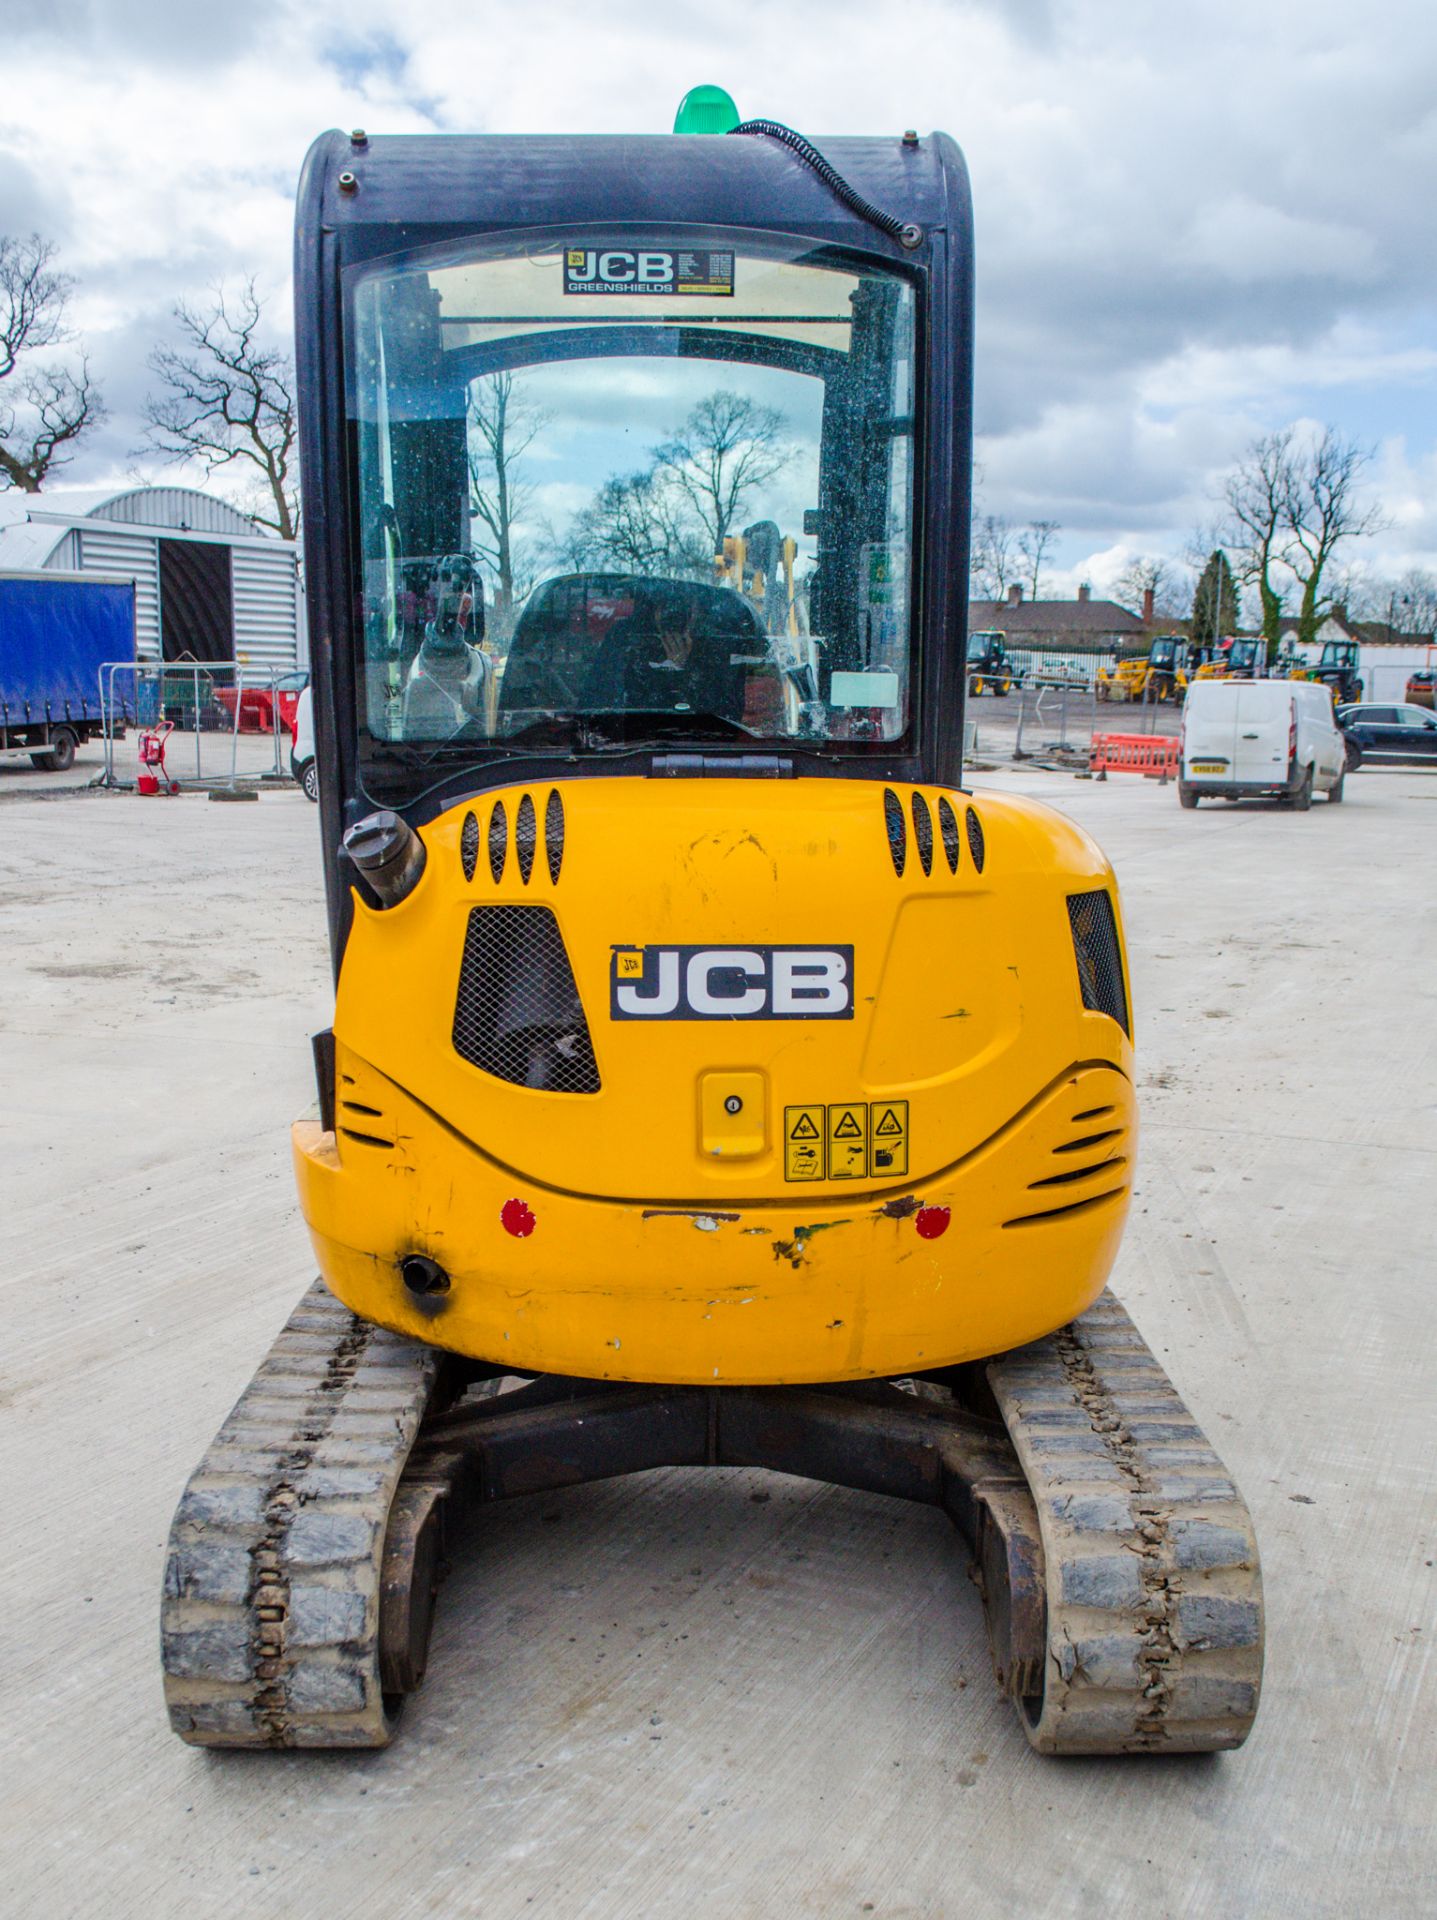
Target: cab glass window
{"type": "Point", "coordinates": [614, 495]}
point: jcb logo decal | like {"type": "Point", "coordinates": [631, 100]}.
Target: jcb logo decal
{"type": "Point", "coordinates": [731, 983]}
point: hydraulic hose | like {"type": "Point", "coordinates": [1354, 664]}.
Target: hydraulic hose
{"type": "Point", "coordinates": [903, 231]}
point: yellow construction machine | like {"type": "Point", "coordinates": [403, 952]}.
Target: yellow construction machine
{"type": "Point", "coordinates": [1160, 674]}
{"type": "Point", "coordinates": [1234, 660]}
{"type": "Point", "coordinates": [714, 1078]}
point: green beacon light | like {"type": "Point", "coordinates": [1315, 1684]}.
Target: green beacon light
{"type": "Point", "coordinates": [706, 110]}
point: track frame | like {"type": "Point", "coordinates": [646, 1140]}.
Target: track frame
{"type": "Point", "coordinates": [1115, 1557]}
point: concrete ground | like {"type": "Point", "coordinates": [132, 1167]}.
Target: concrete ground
{"type": "Point", "coordinates": [208, 756]}
{"type": "Point", "coordinates": [721, 1696]}
{"type": "Point", "coordinates": [1034, 718]}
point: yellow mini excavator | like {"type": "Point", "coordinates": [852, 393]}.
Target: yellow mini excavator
{"type": "Point", "coordinates": [714, 1079]}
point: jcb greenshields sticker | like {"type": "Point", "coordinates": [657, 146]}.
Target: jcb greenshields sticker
{"type": "Point", "coordinates": [648, 270]}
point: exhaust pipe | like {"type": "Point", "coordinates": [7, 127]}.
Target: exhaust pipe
{"type": "Point", "coordinates": [389, 854]}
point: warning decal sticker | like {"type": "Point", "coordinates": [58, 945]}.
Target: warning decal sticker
{"type": "Point", "coordinates": [648, 270]}
{"type": "Point", "coordinates": [849, 1141]}
{"type": "Point", "coordinates": [890, 1137]}
{"type": "Point", "coordinates": [803, 1143]}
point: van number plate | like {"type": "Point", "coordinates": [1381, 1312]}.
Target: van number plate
{"type": "Point", "coordinates": [1209, 766]}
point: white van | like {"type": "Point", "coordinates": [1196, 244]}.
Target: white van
{"type": "Point", "coordinates": [301, 756]}
{"type": "Point", "coordinates": [1260, 737]}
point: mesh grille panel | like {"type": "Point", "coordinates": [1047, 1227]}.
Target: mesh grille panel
{"type": "Point", "coordinates": [948, 828]}
{"type": "Point", "coordinates": [975, 839]}
{"type": "Point", "coordinates": [518, 1014]}
{"type": "Point", "coordinates": [469, 845]}
{"type": "Point", "coordinates": [923, 831]}
{"type": "Point", "coordinates": [1100, 964]}
{"type": "Point", "coordinates": [897, 830]}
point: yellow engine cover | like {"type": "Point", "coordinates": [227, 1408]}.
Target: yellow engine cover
{"type": "Point", "coordinates": [839, 1121]}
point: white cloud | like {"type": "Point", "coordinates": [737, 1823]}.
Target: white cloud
{"type": "Point", "coordinates": [1190, 228]}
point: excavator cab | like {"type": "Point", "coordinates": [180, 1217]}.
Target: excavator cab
{"type": "Point", "coordinates": [990, 670]}
{"type": "Point", "coordinates": [706, 1057]}
{"type": "Point", "coordinates": [1339, 669]}
{"type": "Point", "coordinates": [1167, 673]}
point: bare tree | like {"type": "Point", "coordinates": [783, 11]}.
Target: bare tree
{"type": "Point", "coordinates": [640, 523]}
{"type": "Point", "coordinates": [728, 446]}
{"type": "Point", "coordinates": [49, 407]}
{"type": "Point", "coordinates": [1405, 604]}
{"type": "Point", "coordinates": [1321, 510]}
{"type": "Point", "coordinates": [1415, 594]}
{"type": "Point", "coordinates": [228, 400]}
{"type": "Point", "coordinates": [1255, 496]}
{"type": "Point", "coordinates": [1035, 543]}
{"type": "Point", "coordinates": [502, 427]}
{"type": "Point", "coordinates": [1150, 573]}
{"type": "Point", "coordinates": [993, 565]}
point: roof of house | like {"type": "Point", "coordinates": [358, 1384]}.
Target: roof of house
{"type": "Point", "coordinates": [1044, 619]}
{"type": "Point", "coordinates": [1368, 633]}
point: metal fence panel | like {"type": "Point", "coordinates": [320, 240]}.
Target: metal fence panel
{"type": "Point", "coordinates": [229, 725]}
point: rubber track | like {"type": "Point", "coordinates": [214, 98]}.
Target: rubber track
{"type": "Point", "coordinates": [270, 1618]}
{"type": "Point", "coordinates": [1153, 1587]}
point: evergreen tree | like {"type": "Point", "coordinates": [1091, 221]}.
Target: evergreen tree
{"type": "Point", "coordinates": [1215, 608]}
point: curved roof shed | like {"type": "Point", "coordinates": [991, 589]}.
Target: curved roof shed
{"type": "Point", "coordinates": [209, 585]}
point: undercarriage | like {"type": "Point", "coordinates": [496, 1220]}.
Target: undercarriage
{"type": "Point", "coordinates": [1115, 1558]}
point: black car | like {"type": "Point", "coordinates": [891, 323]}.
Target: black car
{"type": "Point", "coordinates": [1400, 734]}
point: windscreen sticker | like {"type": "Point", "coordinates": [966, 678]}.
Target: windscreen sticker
{"type": "Point", "coordinates": [648, 270]}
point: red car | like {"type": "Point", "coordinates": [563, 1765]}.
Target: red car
{"type": "Point", "coordinates": [257, 704]}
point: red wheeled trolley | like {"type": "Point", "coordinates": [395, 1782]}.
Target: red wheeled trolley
{"type": "Point", "coordinates": [154, 775]}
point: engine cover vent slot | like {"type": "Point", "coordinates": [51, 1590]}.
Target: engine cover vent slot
{"type": "Point", "coordinates": [526, 836]}
{"type": "Point", "coordinates": [469, 845]}
{"type": "Point", "coordinates": [498, 841]}
{"type": "Point", "coordinates": [975, 839]}
{"type": "Point", "coordinates": [1100, 963]}
{"type": "Point", "coordinates": [923, 832]}
{"type": "Point", "coordinates": [1089, 1205]}
{"type": "Point", "coordinates": [897, 829]}
{"type": "Point", "coordinates": [518, 1015]}
{"type": "Point", "coordinates": [948, 830]}
{"type": "Point", "coordinates": [554, 833]}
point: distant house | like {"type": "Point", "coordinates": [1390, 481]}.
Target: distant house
{"type": "Point", "coordinates": [209, 585]}
{"type": "Point", "coordinates": [1084, 625]}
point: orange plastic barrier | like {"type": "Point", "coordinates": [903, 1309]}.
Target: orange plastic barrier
{"type": "Point", "coordinates": [1145, 753]}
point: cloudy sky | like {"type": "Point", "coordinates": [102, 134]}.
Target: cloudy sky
{"type": "Point", "coordinates": [1194, 223]}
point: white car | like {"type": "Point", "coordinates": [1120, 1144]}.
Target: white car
{"type": "Point", "coordinates": [301, 755]}
{"type": "Point", "coordinates": [1274, 738]}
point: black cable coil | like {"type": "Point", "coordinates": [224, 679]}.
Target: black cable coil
{"type": "Point", "coordinates": [903, 231]}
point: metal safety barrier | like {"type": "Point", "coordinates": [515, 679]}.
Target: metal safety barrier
{"type": "Point", "coordinates": [205, 708]}
{"type": "Point", "coordinates": [1150, 754]}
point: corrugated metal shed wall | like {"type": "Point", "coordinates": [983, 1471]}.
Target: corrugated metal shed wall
{"type": "Point", "coordinates": [101, 549]}
{"type": "Point", "coordinates": [265, 606]}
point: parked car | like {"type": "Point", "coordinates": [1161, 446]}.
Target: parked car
{"type": "Point", "coordinates": [1273, 738]}
{"type": "Point", "coordinates": [302, 762]}
{"type": "Point", "coordinates": [1402, 735]}
{"type": "Point", "coordinates": [1422, 687]}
